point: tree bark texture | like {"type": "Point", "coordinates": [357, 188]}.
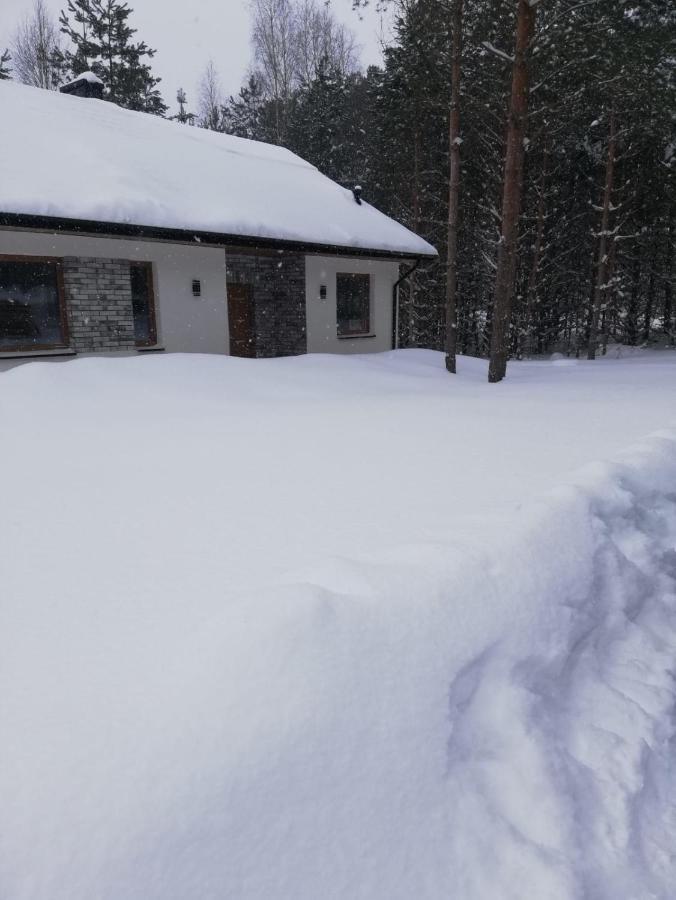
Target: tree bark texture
{"type": "Point", "coordinates": [602, 262]}
{"type": "Point", "coordinates": [512, 193]}
{"type": "Point", "coordinates": [454, 193]}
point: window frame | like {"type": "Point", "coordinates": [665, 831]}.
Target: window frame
{"type": "Point", "coordinates": [64, 344]}
{"type": "Point", "coordinates": [152, 320]}
{"type": "Point", "coordinates": [368, 331]}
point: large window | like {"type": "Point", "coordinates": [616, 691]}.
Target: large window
{"type": "Point", "coordinates": [143, 301]}
{"type": "Point", "coordinates": [353, 295]}
{"type": "Point", "coordinates": [32, 309]}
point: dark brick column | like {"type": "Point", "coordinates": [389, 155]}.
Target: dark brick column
{"type": "Point", "coordinates": [278, 284]}
{"type": "Point", "coordinates": [98, 297]}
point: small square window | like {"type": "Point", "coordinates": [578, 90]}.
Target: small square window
{"type": "Point", "coordinates": [143, 302]}
{"type": "Point", "coordinates": [353, 293]}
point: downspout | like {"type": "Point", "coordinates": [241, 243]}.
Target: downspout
{"type": "Point", "coordinates": [395, 303]}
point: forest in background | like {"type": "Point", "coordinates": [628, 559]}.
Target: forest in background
{"type": "Point", "coordinates": [594, 259]}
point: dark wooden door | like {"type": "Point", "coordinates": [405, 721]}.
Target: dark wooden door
{"type": "Point", "coordinates": [241, 320]}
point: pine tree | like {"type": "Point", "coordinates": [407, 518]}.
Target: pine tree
{"type": "Point", "coordinates": [102, 42]}
{"type": "Point", "coordinates": [183, 116]}
{"type": "Point", "coordinates": [79, 30]}
{"type": "Point", "coordinates": [4, 65]}
{"type": "Point", "coordinates": [249, 114]}
{"type": "Point", "coordinates": [315, 129]}
{"type": "Point", "coordinates": [410, 154]}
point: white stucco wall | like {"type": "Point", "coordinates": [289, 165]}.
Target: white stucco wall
{"type": "Point", "coordinates": [322, 334]}
{"type": "Point", "coordinates": [200, 325]}
{"type": "Point", "coordinates": [184, 323]}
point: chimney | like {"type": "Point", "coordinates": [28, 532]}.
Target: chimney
{"type": "Point", "coordinates": [85, 85]}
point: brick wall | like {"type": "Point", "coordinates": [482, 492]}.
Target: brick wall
{"type": "Point", "coordinates": [98, 297]}
{"type": "Point", "coordinates": [100, 313]}
{"type": "Point", "coordinates": [278, 284]}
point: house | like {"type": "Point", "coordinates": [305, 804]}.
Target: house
{"type": "Point", "coordinates": [122, 232]}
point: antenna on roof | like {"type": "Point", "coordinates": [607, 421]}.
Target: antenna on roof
{"type": "Point", "coordinates": [356, 190]}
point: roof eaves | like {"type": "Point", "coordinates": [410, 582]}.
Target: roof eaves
{"type": "Point", "coordinates": [189, 236]}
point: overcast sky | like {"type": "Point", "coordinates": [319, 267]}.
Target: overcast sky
{"type": "Point", "coordinates": [186, 33]}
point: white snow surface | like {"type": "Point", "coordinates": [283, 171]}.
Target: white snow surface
{"type": "Point", "coordinates": [338, 627]}
{"type": "Point", "coordinates": [108, 164]}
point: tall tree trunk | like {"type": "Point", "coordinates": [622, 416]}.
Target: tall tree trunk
{"type": "Point", "coordinates": [415, 214]}
{"type": "Point", "coordinates": [650, 298]}
{"type": "Point", "coordinates": [454, 193]}
{"type": "Point", "coordinates": [531, 285]}
{"type": "Point", "coordinates": [668, 308]}
{"type": "Point", "coordinates": [602, 264]}
{"type": "Point", "coordinates": [512, 191]}
{"type": "Point", "coordinates": [608, 306]}
{"type": "Point", "coordinates": [631, 328]}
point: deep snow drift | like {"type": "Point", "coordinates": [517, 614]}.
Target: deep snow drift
{"type": "Point", "coordinates": [337, 628]}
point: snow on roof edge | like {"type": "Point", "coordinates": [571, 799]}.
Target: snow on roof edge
{"type": "Point", "coordinates": [88, 227]}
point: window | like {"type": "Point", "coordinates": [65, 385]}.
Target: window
{"type": "Point", "coordinates": [353, 293]}
{"type": "Point", "coordinates": [143, 302]}
{"type": "Point", "coordinates": [32, 309]}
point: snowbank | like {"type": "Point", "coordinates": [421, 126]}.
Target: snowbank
{"type": "Point", "coordinates": [561, 748]}
{"type": "Point", "coordinates": [112, 165]}
{"type": "Point", "coordinates": [481, 712]}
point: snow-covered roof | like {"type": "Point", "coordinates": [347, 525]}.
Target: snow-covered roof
{"type": "Point", "coordinates": [89, 160]}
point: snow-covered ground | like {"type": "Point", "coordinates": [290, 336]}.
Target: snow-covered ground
{"type": "Point", "coordinates": [336, 627]}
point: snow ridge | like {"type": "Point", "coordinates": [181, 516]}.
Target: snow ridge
{"type": "Point", "coordinates": [562, 738]}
